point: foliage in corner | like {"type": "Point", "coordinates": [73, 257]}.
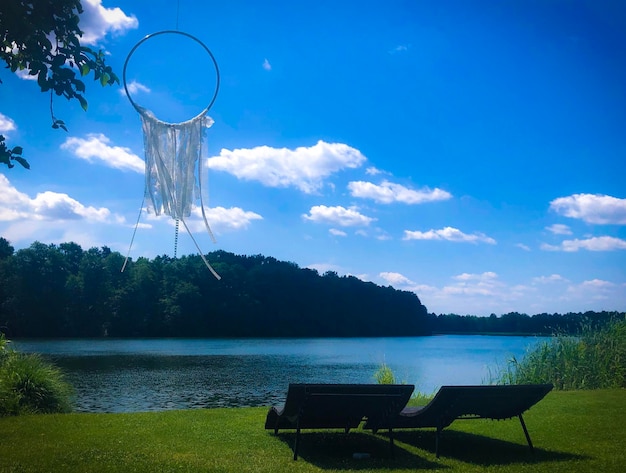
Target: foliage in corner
{"type": "Point", "coordinates": [29, 384]}
{"type": "Point", "coordinates": [7, 156]}
{"type": "Point", "coordinates": [41, 38]}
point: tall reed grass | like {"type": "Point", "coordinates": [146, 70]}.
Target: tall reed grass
{"type": "Point", "coordinates": [595, 359]}
{"type": "Point", "coordinates": [384, 375]}
{"type": "Point", "coordinates": [29, 384]}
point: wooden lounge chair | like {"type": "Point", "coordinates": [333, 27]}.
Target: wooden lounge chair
{"type": "Point", "coordinates": [471, 402]}
{"type": "Point", "coordinates": [338, 406]}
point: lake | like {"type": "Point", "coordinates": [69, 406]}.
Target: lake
{"type": "Point", "coordinates": [129, 375]}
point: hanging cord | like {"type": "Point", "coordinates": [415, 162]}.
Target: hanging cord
{"type": "Point", "coordinates": [134, 233]}
{"type": "Point", "coordinates": [175, 140]}
{"type": "Point", "coordinates": [176, 238]}
{"type": "Point", "coordinates": [200, 251]}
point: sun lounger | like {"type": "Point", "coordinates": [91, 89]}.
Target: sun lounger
{"type": "Point", "coordinates": [338, 406]}
{"type": "Point", "coordinates": [471, 402]}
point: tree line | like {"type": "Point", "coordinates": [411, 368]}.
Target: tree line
{"type": "Point", "coordinates": [49, 290]}
{"type": "Point", "coordinates": [571, 323]}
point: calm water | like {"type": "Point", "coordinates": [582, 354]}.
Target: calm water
{"type": "Point", "coordinates": [148, 375]}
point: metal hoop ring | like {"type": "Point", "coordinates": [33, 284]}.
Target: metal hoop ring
{"type": "Point", "coordinates": [217, 70]}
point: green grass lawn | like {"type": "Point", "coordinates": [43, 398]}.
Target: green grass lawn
{"type": "Point", "coordinates": [573, 431]}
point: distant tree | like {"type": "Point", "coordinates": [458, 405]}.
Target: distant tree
{"type": "Point", "coordinates": [42, 38]}
{"type": "Point", "coordinates": [6, 249]}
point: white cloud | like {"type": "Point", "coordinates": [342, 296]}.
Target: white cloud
{"type": "Point", "coordinates": [523, 247]}
{"type": "Point", "coordinates": [266, 65]}
{"type": "Point", "coordinates": [549, 279]}
{"type": "Point", "coordinates": [388, 192]}
{"type": "Point", "coordinates": [134, 88]}
{"type": "Point", "coordinates": [25, 75]}
{"type": "Point", "coordinates": [6, 125]}
{"type": "Point", "coordinates": [480, 285]}
{"type": "Point", "coordinates": [96, 149]}
{"type": "Point", "coordinates": [97, 21]}
{"type": "Point", "coordinates": [336, 232]}
{"type": "Point", "coordinates": [594, 290]}
{"type": "Point", "coordinates": [449, 234]}
{"type": "Point", "coordinates": [395, 279]}
{"type": "Point", "coordinates": [592, 208]}
{"type": "Point", "coordinates": [47, 206]}
{"type": "Point", "coordinates": [337, 216]}
{"type": "Point", "coordinates": [221, 220]}
{"type": "Point", "coordinates": [485, 293]}
{"type": "Point", "coordinates": [373, 171]}
{"type": "Point", "coordinates": [559, 229]}
{"type": "Point", "coordinates": [303, 168]}
{"type": "Point", "coordinates": [486, 276]}
{"type": "Point", "coordinates": [603, 243]}
{"type": "Point", "coordinates": [321, 268]}
{"type": "Point", "coordinates": [401, 48]}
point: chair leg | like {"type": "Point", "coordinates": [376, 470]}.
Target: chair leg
{"type": "Point", "coordinates": [391, 445]}
{"type": "Point", "coordinates": [530, 444]}
{"type": "Point", "coordinates": [437, 435]}
{"type": "Point", "coordinates": [295, 447]}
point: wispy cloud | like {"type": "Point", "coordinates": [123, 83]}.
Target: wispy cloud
{"type": "Point", "coordinates": [559, 229]}
{"type": "Point", "coordinates": [303, 168]}
{"type": "Point", "coordinates": [401, 48]}
{"type": "Point", "coordinates": [337, 216]}
{"type": "Point", "coordinates": [96, 149]}
{"type": "Point", "coordinates": [592, 208]}
{"type": "Point", "coordinates": [553, 278]}
{"type": "Point", "coordinates": [373, 171]}
{"type": "Point", "coordinates": [389, 192]}
{"type": "Point", "coordinates": [97, 21]}
{"type": "Point", "coordinates": [336, 232]}
{"type": "Point", "coordinates": [449, 234]}
{"type": "Point", "coordinates": [266, 65]}
{"type": "Point", "coordinates": [602, 243]}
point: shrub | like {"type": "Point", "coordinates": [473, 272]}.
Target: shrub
{"type": "Point", "coordinates": [29, 384]}
{"type": "Point", "coordinates": [595, 359]}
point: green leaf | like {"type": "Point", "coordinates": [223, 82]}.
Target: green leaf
{"type": "Point", "coordinates": [22, 161]}
{"type": "Point", "coordinates": [104, 79]}
{"type": "Point", "coordinates": [84, 69]}
{"type": "Point", "coordinates": [17, 150]}
{"type": "Point", "coordinates": [83, 102]}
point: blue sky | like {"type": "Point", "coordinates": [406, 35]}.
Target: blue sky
{"type": "Point", "coordinates": [470, 151]}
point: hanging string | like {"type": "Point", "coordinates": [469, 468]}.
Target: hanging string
{"type": "Point", "coordinates": [134, 233]}
{"type": "Point", "coordinates": [176, 239]}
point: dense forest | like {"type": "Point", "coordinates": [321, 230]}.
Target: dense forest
{"type": "Point", "coordinates": [516, 323]}
{"type": "Point", "coordinates": [65, 291]}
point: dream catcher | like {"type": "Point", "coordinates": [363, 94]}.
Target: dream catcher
{"type": "Point", "coordinates": [175, 175]}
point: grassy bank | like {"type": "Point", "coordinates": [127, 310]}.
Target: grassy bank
{"type": "Point", "coordinates": [572, 431]}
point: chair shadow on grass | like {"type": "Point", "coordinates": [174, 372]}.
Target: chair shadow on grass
{"type": "Point", "coordinates": [334, 450]}
{"type": "Point", "coordinates": [479, 449]}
